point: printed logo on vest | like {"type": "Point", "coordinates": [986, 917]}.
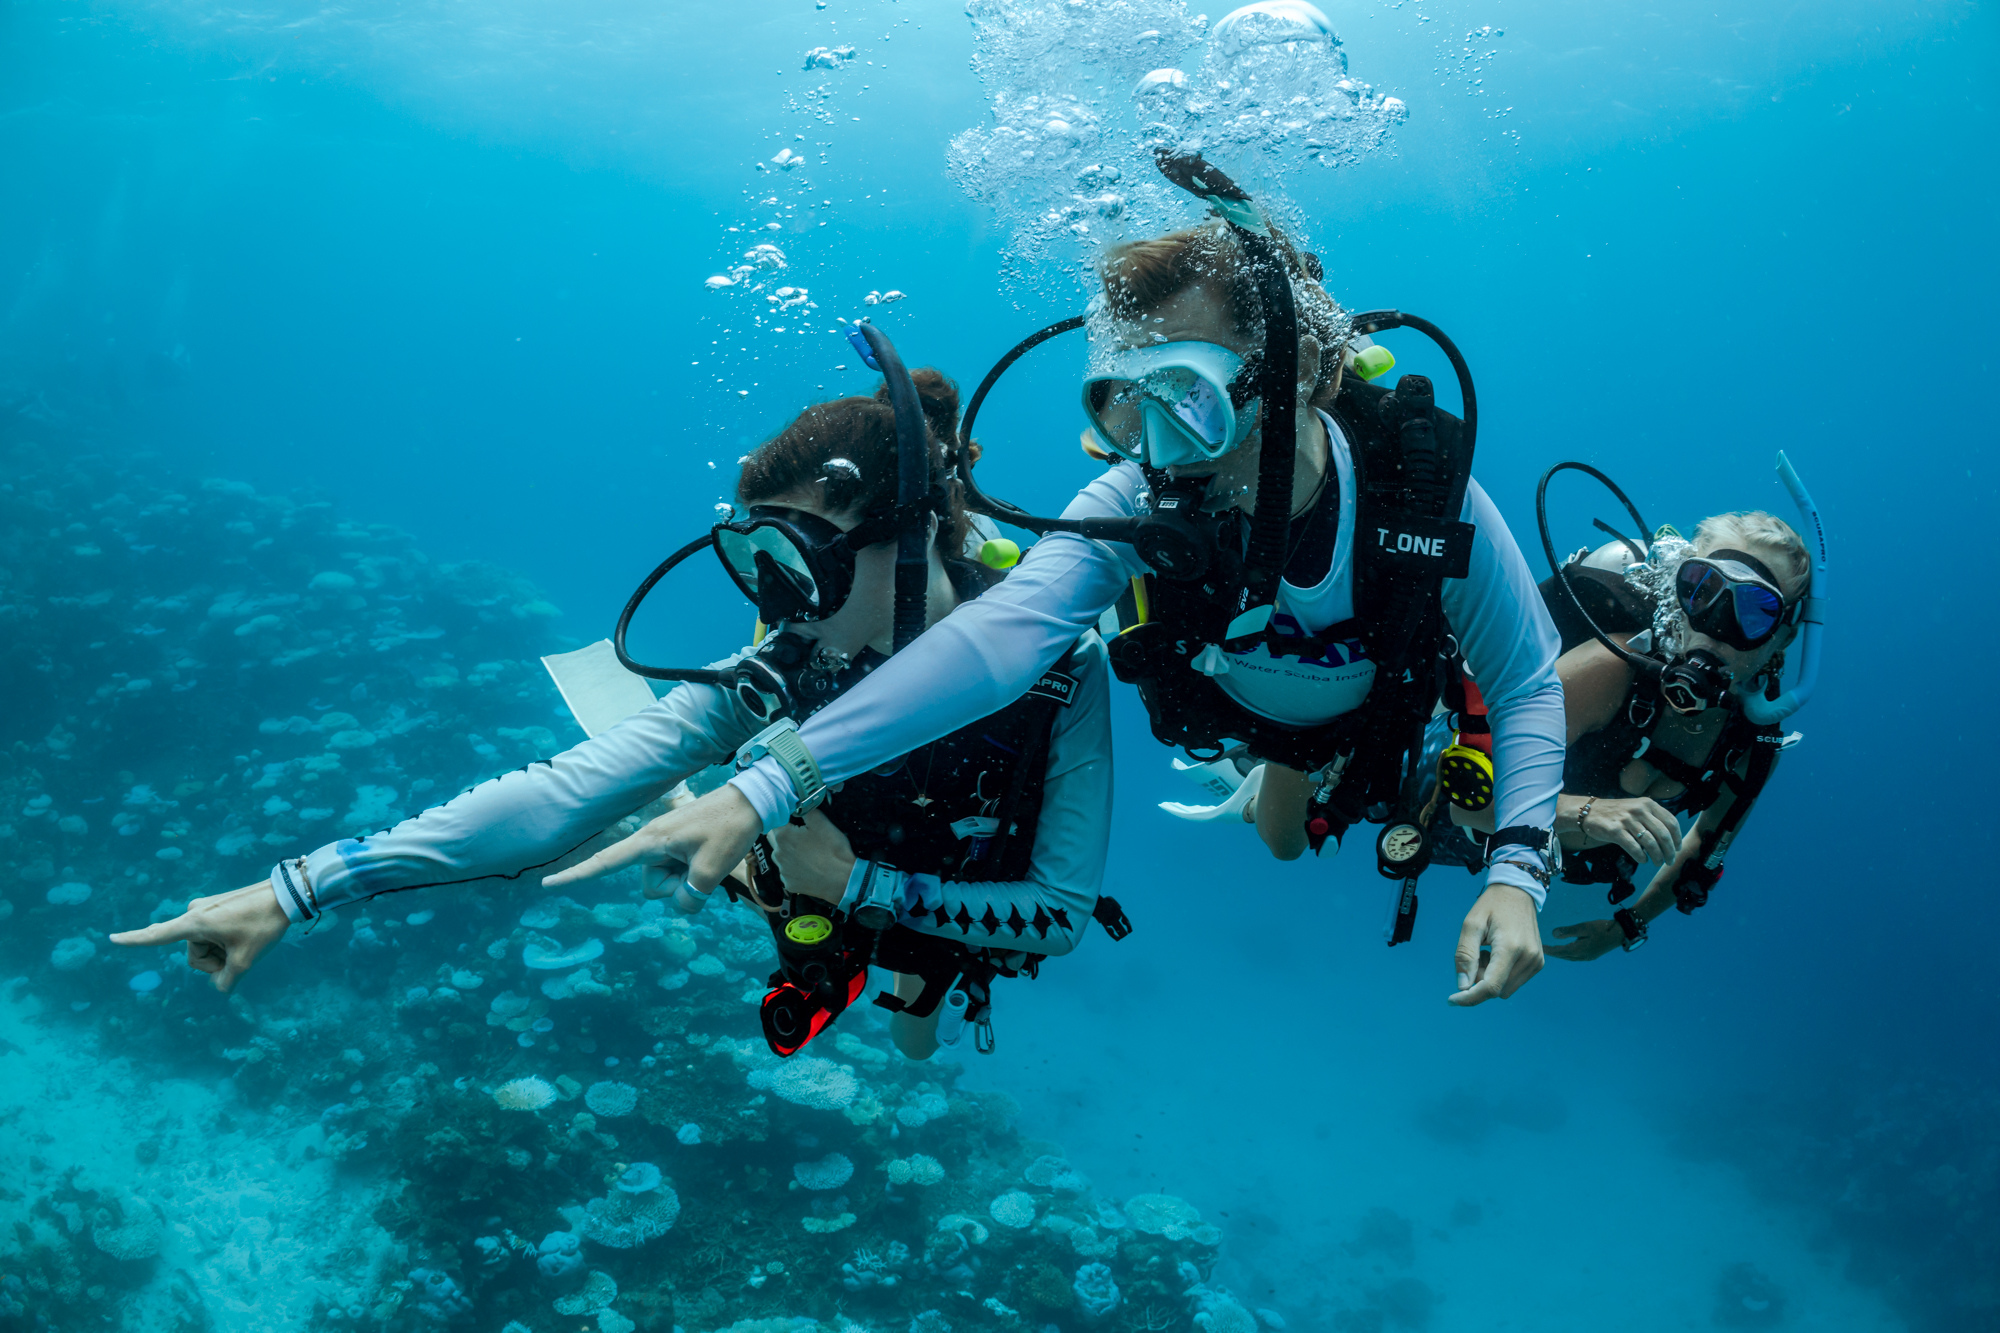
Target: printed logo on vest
{"type": "Point", "coordinates": [1055, 685]}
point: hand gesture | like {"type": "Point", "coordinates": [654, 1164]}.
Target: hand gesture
{"type": "Point", "coordinates": [699, 843]}
{"type": "Point", "coordinates": [1587, 940]}
{"type": "Point", "coordinates": [225, 934]}
{"type": "Point", "coordinates": [815, 860]}
{"type": "Point", "coordinates": [1499, 947]}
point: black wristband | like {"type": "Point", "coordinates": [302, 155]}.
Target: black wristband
{"type": "Point", "coordinates": [1635, 929]}
{"type": "Point", "coordinates": [1520, 835]}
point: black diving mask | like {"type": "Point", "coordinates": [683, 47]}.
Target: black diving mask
{"type": "Point", "coordinates": [1732, 597]}
{"type": "Point", "coordinates": [794, 565]}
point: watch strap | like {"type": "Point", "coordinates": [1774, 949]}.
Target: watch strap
{"type": "Point", "coordinates": [1520, 835]}
{"type": "Point", "coordinates": [782, 742]}
{"type": "Point", "coordinates": [1541, 841]}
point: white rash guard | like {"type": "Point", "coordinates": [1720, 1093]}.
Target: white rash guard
{"type": "Point", "coordinates": [536, 820]}
{"type": "Point", "coordinates": [988, 651]}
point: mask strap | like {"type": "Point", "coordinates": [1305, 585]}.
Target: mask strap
{"type": "Point", "coordinates": [1750, 562]}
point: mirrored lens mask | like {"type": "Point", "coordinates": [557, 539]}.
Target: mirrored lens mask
{"type": "Point", "coordinates": [1732, 597]}
{"type": "Point", "coordinates": [791, 565]}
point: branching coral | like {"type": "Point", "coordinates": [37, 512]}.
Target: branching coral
{"type": "Point", "coordinates": [1162, 1215]}
{"type": "Point", "coordinates": [623, 1221]}
{"type": "Point", "coordinates": [1013, 1209]}
{"type": "Point", "coordinates": [809, 1081]}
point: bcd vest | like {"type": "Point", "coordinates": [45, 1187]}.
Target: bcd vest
{"type": "Point", "coordinates": [965, 806]}
{"type": "Point", "coordinates": [1595, 764]}
{"type": "Point", "coordinates": [1411, 471]}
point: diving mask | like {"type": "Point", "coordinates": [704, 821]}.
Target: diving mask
{"type": "Point", "coordinates": [1172, 404]}
{"type": "Point", "coordinates": [794, 565]}
{"type": "Point", "coordinates": [1732, 597]}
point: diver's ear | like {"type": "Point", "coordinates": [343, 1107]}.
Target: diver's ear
{"type": "Point", "coordinates": [1309, 355]}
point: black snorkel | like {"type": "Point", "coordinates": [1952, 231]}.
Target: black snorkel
{"type": "Point", "coordinates": [1279, 374]}
{"type": "Point", "coordinates": [1277, 391]}
{"type": "Point", "coordinates": [913, 480]}
{"type": "Point", "coordinates": [758, 679]}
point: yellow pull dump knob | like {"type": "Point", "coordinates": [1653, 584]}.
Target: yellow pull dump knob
{"type": "Point", "coordinates": [808, 930]}
{"type": "Point", "coordinates": [1000, 554]}
{"type": "Point", "coordinates": [1465, 776]}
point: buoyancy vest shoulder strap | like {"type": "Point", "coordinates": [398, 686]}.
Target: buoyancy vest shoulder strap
{"type": "Point", "coordinates": [1411, 475]}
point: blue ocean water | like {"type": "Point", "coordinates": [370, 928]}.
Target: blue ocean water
{"type": "Point", "coordinates": [418, 291]}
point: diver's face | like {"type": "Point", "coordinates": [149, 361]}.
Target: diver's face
{"type": "Point", "coordinates": [869, 613]}
{"type": "Point", "coordinates": [1746, 664]}
{"type": "Point", "coordinates": [1199, 313]}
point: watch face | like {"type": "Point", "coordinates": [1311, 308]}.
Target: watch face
{"type": "Point", "coordinates": [1402, 842]}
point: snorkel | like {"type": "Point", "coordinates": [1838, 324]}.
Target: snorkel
{"type": "Point", "coordinates": [1169, 543]}
{"type": "Point", "coordinates": [1812, 612]}
{"type": "Point", "coordinates": [1279, 390]}
{"type": "Point", "coordinates": [913, 474]}
{"type": "Point", "coordinates": [1700, 673]}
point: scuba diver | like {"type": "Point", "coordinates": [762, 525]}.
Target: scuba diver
{"type": "Point", "coordinates": [975, 856]}
{"type": "Point", "coordinates": [1303, 553]}
{"type": "Point", "coordinates": [1673, 656]}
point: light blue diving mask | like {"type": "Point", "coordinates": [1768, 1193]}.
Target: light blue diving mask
{"type": "Point", "coordinates": [1172, 404]}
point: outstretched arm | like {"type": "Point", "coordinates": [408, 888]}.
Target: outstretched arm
{"type": "Point", "coordinates": [973, 663]}
{"type": "Point", "coordinates": [522, 824]}
{"type": "Point", "coordinates": [1045, 912]}
{"type": "Point", "coordinates": [512, 827]}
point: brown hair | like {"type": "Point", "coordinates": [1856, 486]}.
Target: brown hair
{"type": "Point", "coordinates": [847, 450]}
{"type": "Point", "coordinates": [1140, 276]}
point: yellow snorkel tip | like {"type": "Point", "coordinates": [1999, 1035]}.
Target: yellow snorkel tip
{"type": "Point", "coordinates": [999, 553]}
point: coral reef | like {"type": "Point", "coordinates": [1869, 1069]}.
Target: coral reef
{"type": "Point", "coordinates": [1904, 1170]}
{"type": "Point", "coordinates": [203, 678]}
{"type": "Point", "coordinates": [524, 1094]}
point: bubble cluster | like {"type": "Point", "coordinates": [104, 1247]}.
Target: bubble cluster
{"type": "Point", "coordinates": [1081, 94]}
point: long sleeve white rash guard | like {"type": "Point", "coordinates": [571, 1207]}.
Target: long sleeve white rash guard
{"type": "Point", "coordinates": [989, 651]}
{"type": "Point", "coordinates": [529, 823]}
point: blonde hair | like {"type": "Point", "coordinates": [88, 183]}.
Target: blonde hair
{"type": "Point", "coordinates": [1760, 534]}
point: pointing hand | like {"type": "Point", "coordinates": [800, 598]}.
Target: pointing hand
{"type": "Point", "coordinates": [225, 934]}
